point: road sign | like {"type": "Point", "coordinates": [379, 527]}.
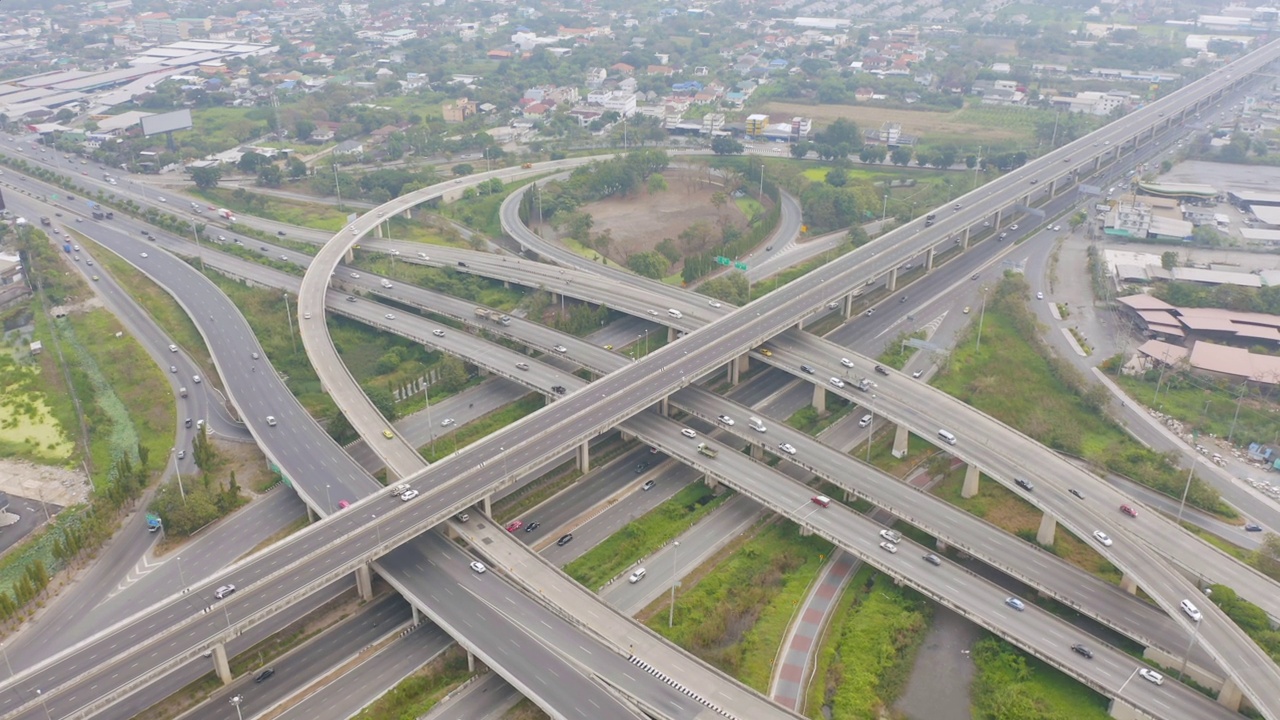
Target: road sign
{"type": "Point", "coordinates": [723, 260]}
{"type": "Point", "coordinates": [740, 265]}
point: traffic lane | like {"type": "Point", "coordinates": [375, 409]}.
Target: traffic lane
{"type": "Point", "coordinates": [310, 660]}
{"type": "Point", "coordinates": [499, 628]}
{"type": "Point", "coordinates": [1040, 630]}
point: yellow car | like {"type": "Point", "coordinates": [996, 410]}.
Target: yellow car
{"type": "Point", "coordinates": [966, 309]}
{"type": "Point", "coordinates": [387, 434]}
{"type": "Point", "coordinates": [95, 278]}
{"type": "Point", "coordinates": [766, 352]}
{"type": "Point", "coordinates": [608, 347]}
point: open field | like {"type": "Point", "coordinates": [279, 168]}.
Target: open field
{"type": "Point", "coordinates": [970, 126]}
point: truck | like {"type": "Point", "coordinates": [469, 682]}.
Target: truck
{"type": "Point", "coordinates": [44, 220]}
{"type": "Point", "coordinates": [494, 315]}
{"type": "Point", "coordinates": [153, 522]}
{"type": "Point", "coordinates": [182, 392]}
{"type": "Point", "coordinates": [864, 385]}
{"type": "Point", "coordinates": [223, 212]}
{"type": "Point", "coordinates": [707, 450]}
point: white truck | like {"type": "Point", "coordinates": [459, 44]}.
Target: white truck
{"type": "Point", "coordinates": [707, 450]}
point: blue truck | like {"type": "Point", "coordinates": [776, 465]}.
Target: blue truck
{"type": "Point", "coordinates": [153, 522]}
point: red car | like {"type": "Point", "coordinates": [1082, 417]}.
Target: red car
{"type": "Point", "coordinates": [1128, 511]}
{"type": "Point", "coordinates": [514, 525]}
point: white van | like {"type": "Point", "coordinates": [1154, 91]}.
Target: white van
{"type": "Point", "coordinates": [951, 439]}
{"type": "Point", "coordinates": [386, 283]}
{"type": "Point", "coordinates": [756, 424]}
{"type": "Point", "coordinates": [865, 421]}
{"type": "Point", "coordinates": [675, 313]}
{"type": "Point", "coordinates": [1191, 610]}
{"type": "Point", "coordinates": [636, 576]}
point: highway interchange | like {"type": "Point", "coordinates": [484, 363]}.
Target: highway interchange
{"type": "Point", "coordinates": [703, 356]}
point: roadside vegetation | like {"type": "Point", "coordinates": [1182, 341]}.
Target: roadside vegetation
{"type": "Point", "coordinates": [808, 420]}
{"type": "Point", "coordinates": [645, 535]}
{"type": "Point", "coordinates": [1011, 685]}
{"type": "Point", "coordinates": [868, 650]}
{"type": "Point", "coordinates": [293, 212]}
{"type": "Point", "coordinates": [414, 696]}
{"type": "Point", "coordinates": [187, 505]}
{"type": "Point", "coordinates": [1017, 379]}
{"type": "Point", "coordinates": [482, 426]}
{"type": "Point", "coordinates": [737, 614]}
{"type": "Point", "coordinates": [1250, 618]}
{"type": "Point", "coordinates": [897, 353]}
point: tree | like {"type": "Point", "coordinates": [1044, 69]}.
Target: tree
{"type": "Point", "coordinates": [304, 129]}
{"type": "Point", "coordinates": [250, 161]}
{"type": "Point", "coordinates": [801, 149]}
{"type": "Point", "coordinates": [297, 168]}
{"type": "Point", "coordinates": [718, 200]}
{"type": "Point", "coordinates": [656, 184]}
{"type": "Point", "coordinates": [837, 177]}
{"type": "Point", "coordinates": [648, 264]}
{"type": "Point", "coordinates": [726, 146]}
{"type": "Point", "coordinates": [206, 178]}
{"type": "Point", "coordinates": [462, 169]}
{"type": "Point", "coordinates": [901, 156]}
{"type": "Point", "coordinates": [842, 132]}
{"type": "Point", "coordinates": [269, 175]}
{"type": "Point", "coordinates": [1168, 260]}
{"type": "Point", "coordinates": [873, 153]}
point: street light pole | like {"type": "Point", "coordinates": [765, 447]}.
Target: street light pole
{"type": "Point", "coordinates": [762, 182]}
{"type": "Point", "coordinates": [871, 427]}
{"type": "Point", "coordinates": [1195, 634]}
{"type": "Point", "coordinates": [236, 701]}
{"type": "Point", "coordinates": [182, 578]}
{"type": "Point", "coordinates": [675, 551]}
{"type": "Point", "coordinates": [328, 501]}
{"type": "Point", "coordinates": [182, 491]}
{"type": "Point", "coordinates": [289, 317]}
{"type": "Point", "coordinates": [6, 659]}
{"type": "Point", "coordinates": [981, 316]}
{"type": "Point", "coordinates": [1186, 489]}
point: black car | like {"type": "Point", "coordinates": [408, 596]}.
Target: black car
{"type": "Point", "coordinates": [565, 539]}
{"type": "Point", "coordinates": [530, 527]}
{"type": "Point", "coordinates": [280, 233]}
{"type": "Point", "coordinates": [461, 264]}
{"type": "Point", "coordinates": [806, 368]}
{"type": "Point", "coordinates": [1252, 527]}
{"type": "Point", "coordinates": [1024, 484]}
{"type": "Point", "coordinates": [558, 389]}
{"type": "Point", "coordinates": [1082, 650]}
{"type": "Point", "coordinates": [264, 675]}
{"type": "Point", "coordinates": [882, 370]}
{"type": "Point", "coordinates": [642, 466]}
{"type": "Point", "coordinates": [902, 299]}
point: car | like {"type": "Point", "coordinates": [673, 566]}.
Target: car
{"type": "Point", "coordinates": [264, 675]}
{"type": "Point", "coordinates": [389, 316]}
{"type": "Point", "coordinates": [1034, 181]}
{"type": "Point", "coordinates": [1252, 527]}
{"type": "Point", "coordinates": [891, 536]}
{"type": "Point", "coordinates": [807, 369]}
{"type": "Point", "coordinates": [1039, 296]}
{"type": "Point", "coordinates": [956, 206]}
{"type": "Point", "coordinates": [306, 316]}
{"type": "Point", "coordinates": [1128, 511]}
{"type": "Point", "coordinates": [714, 303]}
{"type": "Point", "coordinates": [195, 379]}
{"type": "Point", "coordinates": [1076, 492]}
{"type": "Point", "coordinates": [917, 374]}
{"type": "Point", "coordinates": [641, 466]}
{"type": "Point", "coordinates": [648, 485]}
{"type": "Point", "coordinates": [1004, 235]}
{"type": "Point", "coordinates": [1082, 650]}
{"type": "Point", "coordinates": [344, 504]}
{"type": "Point", "coordinates": [285, 258]}
{"type": "Point", "coordinates": [182, 454]}
{"type": "Point", "coordinates": [76, 248]}
{"type": "Point", "coordinates": [1013, 226]}
{"type": "Point", "coordinates": [400, 489]}
{"type": "Point", "coordinates": [558, 389]}
{"type": "Point", "coordinates": [836, 382]}
{"type": "Point", "coordinates": [766, 352]}
{"type": "Point", "coordinates": [144, 255]}
{"type": "Point", "coordinates": [173, 348]}
{"type": "Point", "coordinates": [768, 248]}
{"type": "Point", "coordinates": [821, 500]}
{"type": "Point", "coordinates": [355, 276]}
{"type": "Point", "coordinates": [607, 346]}
{"type": "Point", "coordinates": [688, 433]}
{"type": "Point", "coordinates": [787, 448]}
{"type": "Point", "coordinates": [162, 200]}
{"type": "Point", "coordinates": [653, 313]}
{"type": "Point", "coordinates": [653, 450]}
{"type": "Point", "coordinates": [532, 525]}
{"type": "Point", "coordinates": [1015, 603]}
{"type": "Point", "coordinates": [636, 576]}
{"type": "Point", "coordinates": [1102, 538]}
{"type": "Point", "coordinates": [870, 311]}
{"type": "Point", "coordinates": [1107, 142]}
{"type": "Point", "coordinates": [967, 309]}
{"type": "Point", "coordinates": [522, 366]}
{"type": "Point", "coordinates": [271, 421]}
{"type": "Point", "coordinates": [564, 540]}
{"type": "Point", "coordinates": [1191, 610]}
{"type": "Point", "coordinates": [395, 252]}
{"type": "Point", "coordinates": [1151, 675]}
{"type": "Point", "coordinates": [882, 370]}
{"type": "Point", "coordinates": [438, 332]}
{"type": "Point", "coordinates": [173, 368]}
{"type": "Point", "coordinates": [223, 591]}
{"type": "Point", "coordinates": [889, 547]}
{"type": "Point", "coordinates": [904, 297]}
{"type": "Point", "coordinates": [255, 355]}
{"type": "Point", "coordinates": [477, 566]}
{"type": "Point", "coordinates": [560, 349]}
{"type": "Point", "coordinates": [387, 434]}
{"type": "Point", "coordinates": [1056, 228]}
{"type": "Point", "coordinates": [846, 362]}
{"type": "Point", "coordinates": [280, 233]}
{"type": "Point", "coordinates": [446, 422]}
{"type": "Point", "coordinates": [726, 420]}
{"type": "Point", "coordinates": [932, 559]}
{"type": "Point", "coordinates": [351, 298]}
{"type": "Point", "coordinates": [514, 525]}
{"type": "Point", "coordinates": [1024, 483]}
{"type": "Point", "coordinates": [409, 495]}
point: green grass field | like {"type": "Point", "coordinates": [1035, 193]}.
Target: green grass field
{"type": "Point", "coordinates": [312, 215]}
{"type": "Point", "coordinates": [1011, 684]}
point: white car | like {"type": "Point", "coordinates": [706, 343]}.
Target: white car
{"type": "Point", "coordinates": [477, 566]}
{"type": "Point", "coordinates": [389, 316]}
{"type": "Point", "coordinates": [1013, 226]}
{"type": "Point", "coordinates": [144, 255]}
{"type": "Point", "coordinates": [787, 448]}
{"type": "Point", "coordinates": [726, 420]}
{"type": "Point", "coordinates": [355, 276]}
{"type": "Point", "coordinates": [846, 362]}
{"type": "Point", "coordinates": [889, 547]}
{"type": "Point", "coordinates": [1056, 228]}
{"type": "Point", "coordinates": [837, 382]}
{"type": "Point", "coordinates": [560, 349]}
{"type": "Point", "coordinates": [1039, 296]}
{"type": "Point", "coordinates": [1151, 675]}
{"type": "Point", "coordinates": [446, 422]}
{"type": "Point", "coordinates": [173, 348]}
{"type": "Point", "coordinates": [1102, 537]}
{"type": "Point", "coordinates": [163, 200]}
{"type": "Point", "coordinates": [891, 536]}
{"type": "Point", "coordinates": [688, 433]}
{"type": "Point", "coordinates": [223, 591]}
{"type": "Point", "coordinates": [714, 303]}
{"type": "Point", "coordinates": [173, 368]}
{"type": "Point", "coordinates": [408, 495]}
{"type": "Point", "coordinates": [438, 332]}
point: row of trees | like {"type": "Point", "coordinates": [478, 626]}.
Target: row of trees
{"type": "Point", "coordinates": [188, 504]}
{"type": "Point", "coordinates": [616, 176]}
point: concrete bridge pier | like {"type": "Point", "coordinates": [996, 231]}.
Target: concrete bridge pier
{"type": "Point", "coordinates": [364, 582]}
{"type": "Point", "coordinates": [349, 256]}
{"type": "Point", "coordinates": [757, 452]}
{"type": "Point", "coordinates": [892, 283]}
{"type": "Point", "coordinates": [1121, 710]}
{"type": "Point", "coordinates": [939, 545]}
{"type": "Point", "coordinates": [671, 334]}
{"type": "Point", "coordinates": [378, 230]}
{"type": "Point", "coordinates": [846, 306]}
{"type": "Point", "coordinates": [900, 441]}
{"type": "Point", "coordinates": [486, 505]}
{"type": "Point", "coordinates": [928, 258]}
{"type": "Point", "coordinates": [1097, 163]}
{"type": "Point", "coordinates": [819, 398]}
{"type": "Point", "coordinates": [711, 482]}
{"type": "Point", "coordinates": [970, 487]}
{"type": "Point", "coordinates": [664, 407]}
{"type": "Point", "coordinates": [471, 662]}
{"type": "Point", "coordinates": [964, 243]}
{"type": "Point", "coordinates": [220, 664]}
{"type": "Point", "coordinates": [995, 224]}
{"type": "Point", "coordinates": [733, 371]}
{"type": "Point", "coordinates": [1230, 695]}
{"type": "Point", "coordinates": [805, 531]}
{"type": "Point", "coordinates": [417, 615]}
{"type": "Point", "coordinates": [1128, 585]}
{"type": "Point", "coordinates": [1048, 529]}
{"type": "Point", "coordinates": [584, 457]}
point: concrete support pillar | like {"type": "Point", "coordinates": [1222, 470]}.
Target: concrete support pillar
{"type": "Point", "coordinates": [350, 256]}
{"type": "Point", "coordinates": [999, 216]}
{"type": "Point", "coordinates": [939, 545]}
{"type": "Point", "coordinates": [900, 441]}
{"type": "Point", "coordinates": [733, 372]}
{"type": "Point", "coordinates": [584, 457]}
{"type": "Point", "coordinates": [1048, 528]}
{"type": "Point", "coordinates": [1128, 585]}
{"type": "Point", "coordinates": [1121, 710]}
{"type": "Point", "coordinates": [892, 283]}
{"type": "Point", "coordinates": [711, 482]}
{"type": "Point", "coordinates": [220, 664]}
{"type": "Point", "coordinates": [847, 306]}
{"type": "Point", "coordinates": [486, 505]}
{"type": "Point", "coordinates": [964, 244]}
{"type": "Point", "coordinates": [805, 531]}
{"type": "Point", "coordinates": [928, 259]}
{"type": "Point", "coordinates": [819, 398]}
{"type": "Point", "coordinates": [377, 229]}
{"type": "Point", "coordinates": [1229, 696]}
{"type": "Point", "coordinates": [311, 515]}
{"type": "Point", "coordinates": [417, 615]}
{"type": "Point", "coordinates": [408, 213]}
{"type": "Point", "coordinates": [671, 334]}
{"type": "Point", "coordinates": [364, 582]}
{"type": "Point", "coordinates": [744, 363]}
{"type": "Point", "coordinates": [970, 482]}
{"type": "Point", "coordinates": [626, 436]}
{"type": "Point", "coordinates": [471, 662]}
{"type": "Point", "coordinates": [757, 452]}
{"type": "Point", "coordinates": [664, 407]}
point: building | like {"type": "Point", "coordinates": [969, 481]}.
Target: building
{"type": "Point", "coordinates": [757, 124]}
{"type": "Point", "coordinates": [458, 110]}
{"type": "Point", "coordinates": [712, 123]}
{"type": "Point", "coordinates": [801, 127]}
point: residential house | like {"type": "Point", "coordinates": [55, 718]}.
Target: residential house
{"type": "Point", "coordinates": [458, 110]}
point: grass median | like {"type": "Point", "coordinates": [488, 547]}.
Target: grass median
{"type": "Point", "coordinates": [1012, 684]}
{"type": "Point", "coordinates": [642, 537]}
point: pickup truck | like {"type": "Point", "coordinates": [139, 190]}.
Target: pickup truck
{"type": "Point", "coordinates": [707, 450]}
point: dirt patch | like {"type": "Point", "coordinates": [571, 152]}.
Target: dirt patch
{"type": "Point", "coordinates": [246, 461]}
{"type": "Point", "coordinates": [638, 222]}
{"type": "Point", "coordinates": [923, 123]}
{"type": "Point", "coordinates": [57, 485]}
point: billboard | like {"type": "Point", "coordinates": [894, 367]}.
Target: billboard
{"type": "Point", "coordinates": [166, 122]}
